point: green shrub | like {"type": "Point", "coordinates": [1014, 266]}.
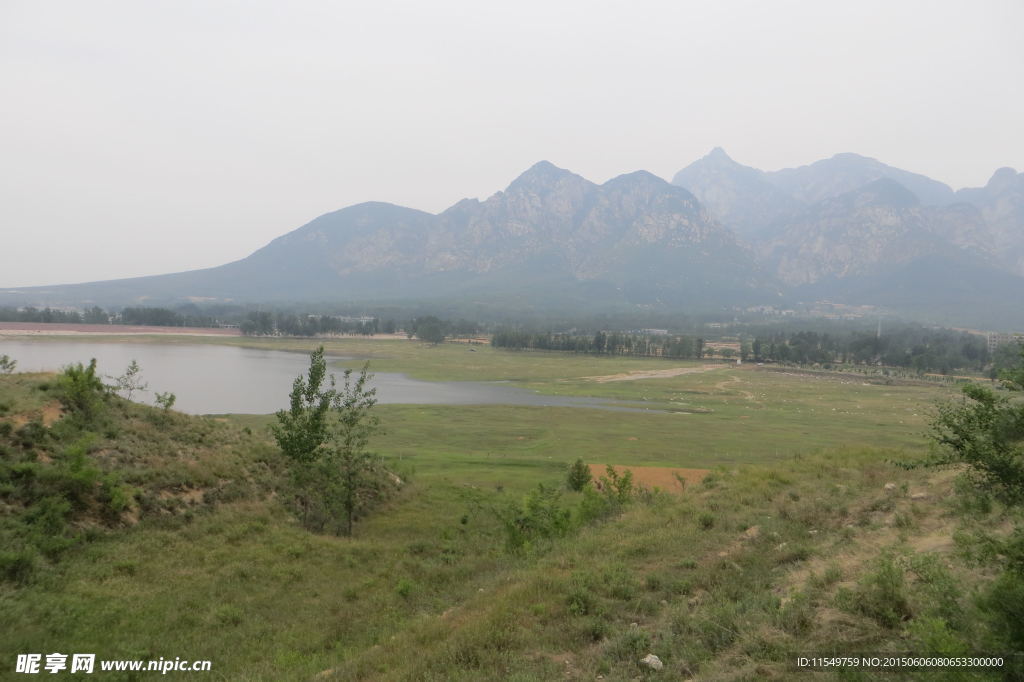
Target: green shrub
{"type": "Point", "coordinates": [933, 637]}
{"type": "Point", "coordinates": [797, 616]}
{"type": "Point", "coordinates": [578, 475]}
{"type": "Point", "coordinates": [540, 517]}
{"type": "Point", "coordinates": [880, 595]}
{"type": "Point", "coordinates": [31, 434]}
{"type": "Point", "coordinates": [81, 391]}
{"type": "Point", "coordinates": [1003, 606]}
{"type": "Point", "coordinates": [619, 582]}
{"type": "Point", "coordinates": [937, 588]}
{"type": "Point", "coordinates": [17, 566]}
{"type": "Point", "coordinates": [404, 588]}
{"type": "Point", "coordinates": [580, 601]}
{"type": "Point", "coordinates": [630, 645]}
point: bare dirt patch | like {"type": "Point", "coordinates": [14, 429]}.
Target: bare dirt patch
{"type": "Point", "coordinates": [653, 373]}
{"type": "Point", "coordinates": [49, 414]}
{"type": "Point", "coordinates": [663, 478]}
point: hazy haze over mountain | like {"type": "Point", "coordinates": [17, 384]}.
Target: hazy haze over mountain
{"type": "Point", "coordinates": [154, 137]}
{"type": "Point", "coordinates": [555, 241]}
{"type": "Point", "coordinates": [635, 239]}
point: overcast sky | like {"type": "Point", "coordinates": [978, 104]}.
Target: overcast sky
{"type": "Point", "coordinates": [142, 137]}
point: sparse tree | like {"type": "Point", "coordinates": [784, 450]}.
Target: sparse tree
{"type": "Point", "coordinates": [7, 364]}
{"type": "Point", "coordinates": [131, 381]}
{"type": "Point", "coordinates": [359, 471]}
{"type": "Point", "coordinates": [165, 401]}
{"type": "Point", "coordinates": [325, 434]}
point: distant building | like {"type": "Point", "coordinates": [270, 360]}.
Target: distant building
{"type": "Point", "coordinates": [996, 339]}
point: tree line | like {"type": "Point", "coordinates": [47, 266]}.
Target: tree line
{"type": "Point", "coordinates": [277, 323]}
{"type": "Point", "coordinates": [914, 348]}
{"type": "Point", "coordinates": [602, 343]}
{"type": "Point", "coordinates": [141, 315]}
{"type": "Point", "coordinates": [910, 347]}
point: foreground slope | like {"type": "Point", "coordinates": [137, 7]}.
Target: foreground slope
{"type": "Point", "coordinates": [777, 553]}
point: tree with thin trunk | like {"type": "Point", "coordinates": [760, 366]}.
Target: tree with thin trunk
{"type": "Point", "coordinates": [130, 381]}
{"type": "Point", "coordinates": [359, 471]}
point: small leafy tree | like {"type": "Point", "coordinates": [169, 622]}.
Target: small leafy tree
{"type": "Point", "coordinates": [986, 432]}
{"type": "Point", "coordinates": [6, 364]}
{"type": "Point", "coordinates": [359, 472]}
{"type": "Point", "coordinates": [165, 401]}
{"type": "Point", "coordinates": [578, 475]}
{"type": "Point", "coordinates": [324, 434]}
{"type": "Point", "coordinates": [429, 329]}
{"type": "Point", "coordinates": [131, 381]}
{"type": "Point", "coordinates": [302, 430]}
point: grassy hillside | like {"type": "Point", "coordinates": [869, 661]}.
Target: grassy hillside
{"type": "Point", "coordinates": [804, 539]}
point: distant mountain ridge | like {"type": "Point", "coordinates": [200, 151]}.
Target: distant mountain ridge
{"type": "Point", "coordinates": [635, 239]}
{"type": "Point", "coordinates": [819, 210]}
{"type": "Point", "coordinates": [743, 198]}
{"type": "Point", "coordinates": [848, 228]}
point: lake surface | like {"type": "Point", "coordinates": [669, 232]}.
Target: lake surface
{"type": "Point", "coordinates": [211, 379]}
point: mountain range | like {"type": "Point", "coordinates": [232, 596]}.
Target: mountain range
{"type": "Point", "coordinates": [849, 228]}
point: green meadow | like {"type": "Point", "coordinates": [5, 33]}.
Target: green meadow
{"type": "Point", "coordinates": [805, 537]}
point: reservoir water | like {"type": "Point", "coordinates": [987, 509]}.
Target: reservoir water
{"type": "Point", "coordinates": [213, 379]}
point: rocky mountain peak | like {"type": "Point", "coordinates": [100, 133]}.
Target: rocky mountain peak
{"type": "Point", "coordinates": [542, 177]}
{"type": "Point", "coordinates": [1003, 178]}
{"type": "Point", "coordinates": [738, 196]}
{"type": "Point", "coordinates": [718, 155]}
{"type": "Point", "coordinates": [640, 178]}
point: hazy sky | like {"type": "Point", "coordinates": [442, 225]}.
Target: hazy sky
{"type": "Point", "coordinates": [142, 137]}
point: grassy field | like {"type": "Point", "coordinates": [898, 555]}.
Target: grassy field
{"type": "Point", "coordinates": [803, 539]}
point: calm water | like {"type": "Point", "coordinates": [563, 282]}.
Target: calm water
{"type": "Point", "coordinates": [210, 379]}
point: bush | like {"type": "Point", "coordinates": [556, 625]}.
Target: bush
{"type": "Point", "coordinates": [17, 566]}
{"type": "Point", "coordinates": [630, 645]}
{"type": "Point", "coordinates": [540, 517]}
{"type": "Point", "coordinates": [797, 616]}
{"type": "Point", "coordinates": [404, 589]}
{"type": "Point", "coordinates": [1003, 605]}
{"type": "Point", "coordinates": [81, 391]}
{"type": "Point", "coordinates": [881, 595]}
{"type": "Point", "coordinates": [578, 476]}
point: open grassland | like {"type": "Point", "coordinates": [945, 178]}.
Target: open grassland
{"type": "Point", "coordinates": [794, 544]}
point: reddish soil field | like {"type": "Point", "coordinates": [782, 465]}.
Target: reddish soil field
{"type": "Point", "coordinates": [663, 478]}
{"type": "Point", "coordinates": [59, 328]}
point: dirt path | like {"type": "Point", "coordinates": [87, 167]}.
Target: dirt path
{"type": "Point", "coordinates": [653, 373]}
{"type": "Point", "coordinates": [724, 386]}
